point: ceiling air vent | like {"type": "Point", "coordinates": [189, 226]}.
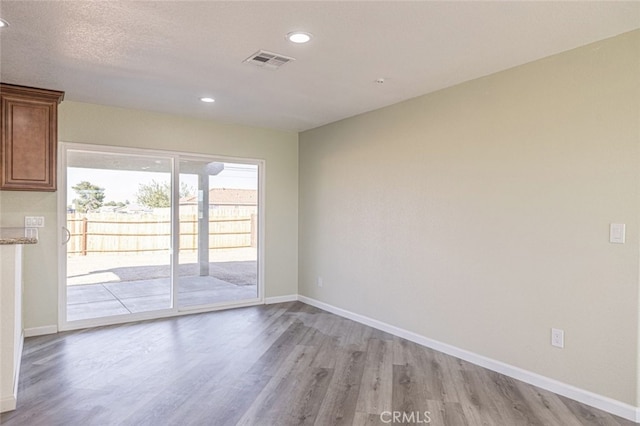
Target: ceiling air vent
{"type": "Point", "coordinates": [269, 60]}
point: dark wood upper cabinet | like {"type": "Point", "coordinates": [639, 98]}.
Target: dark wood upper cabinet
{"type": "Point", "coordinates": [29, 130]}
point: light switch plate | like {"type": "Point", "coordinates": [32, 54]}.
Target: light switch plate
{"type": "Point", "coordinates": [34, 221]}
{"type": "Point", "coordinates": [557, 337]}
{"type": "Point", "coordinates": [616, 233]}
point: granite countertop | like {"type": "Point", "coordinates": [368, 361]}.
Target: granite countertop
{"type": "Point", "coordinates": [18, 240]}
{"type": "Point", "coordinates": [9, 236]}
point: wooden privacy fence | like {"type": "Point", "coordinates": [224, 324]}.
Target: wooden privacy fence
{"type": "Point", "coordinates": [139, 233]}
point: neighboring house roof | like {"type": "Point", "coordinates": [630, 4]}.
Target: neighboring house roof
{"type": "Point", "coordinates": [227, 197]}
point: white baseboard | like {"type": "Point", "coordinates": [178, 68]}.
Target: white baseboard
{"type": "Point", "coordinates": [281, 299]}
{"type": "Point", "coordinates": [40, 331]}
{"type": "Point", "coordinates": [604, 403]}
{"type": "Point", "coordinates": [8, 403]}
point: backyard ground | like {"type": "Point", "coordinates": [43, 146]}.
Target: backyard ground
{"type": "Point", "coordinates": [236, 266]}
{"type": "Point", "coordinates": [102, 285]}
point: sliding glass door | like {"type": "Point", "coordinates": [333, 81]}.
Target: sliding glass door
{"type": "Point", "coordinates": [218, 232]}
{"type": "Point", "coordinates": [119, 223]}
{"type": "Point", "coordinates": [152, 234]}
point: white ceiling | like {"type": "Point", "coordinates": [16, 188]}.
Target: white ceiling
{"type": "Point", "coordinates": [163, 56]}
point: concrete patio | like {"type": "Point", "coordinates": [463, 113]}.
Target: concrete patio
{"type": "Point", "coordinates": [108, 285]}
{"type": "Point", "coordinates": [121, 298]}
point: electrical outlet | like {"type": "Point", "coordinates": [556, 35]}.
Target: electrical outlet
{"type": "Point", "coordinates": [319, 281]}
{"type": "Point", "coordinates": [31, 233]}
{"type": "Point", "coordinates": [557, 337]}
{"type": "Point", "coordinates": [34, 221]}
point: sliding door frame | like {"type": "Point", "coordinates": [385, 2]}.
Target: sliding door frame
{"type": "Point", "coordinates": [175, 310]}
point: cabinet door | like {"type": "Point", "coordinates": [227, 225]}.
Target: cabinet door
{"type": "Point", "coordinates": [29, 140]}
{"type": "Point", "coordinates": [28, 151]}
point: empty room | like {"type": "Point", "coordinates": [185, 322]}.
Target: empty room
{"type": "Point", "coordinates": [319, 213]}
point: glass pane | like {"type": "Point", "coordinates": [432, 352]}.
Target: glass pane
{"type": "Point", "coordinates": [218, 257]}
{"type": "Point", "coordinates": [119, 217]}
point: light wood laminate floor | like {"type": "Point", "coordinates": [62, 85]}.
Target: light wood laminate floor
{"type": "Point", "coordinates": [283, 364]}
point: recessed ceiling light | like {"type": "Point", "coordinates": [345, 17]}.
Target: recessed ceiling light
{"type": "Point", "coordinates": [298, 37]}
{"type": "Point", "coordinates": [3, 23]}
{"type": "Point", "coordinates": [207, 100]}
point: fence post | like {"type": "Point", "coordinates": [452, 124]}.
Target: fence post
{"type": "Point", "coordinates": [84, 236]}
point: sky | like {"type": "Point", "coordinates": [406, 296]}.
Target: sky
{"type": "Point", "coordinates": [121, 186]}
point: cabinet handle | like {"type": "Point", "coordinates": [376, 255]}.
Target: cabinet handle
{"type": "Point", "coordinates": [68, 236]}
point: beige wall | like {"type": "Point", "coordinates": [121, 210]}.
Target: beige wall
{"type": "Point", "coordinates": [94, 124]}
{"type": "Point", "coordinates": [479, 215]}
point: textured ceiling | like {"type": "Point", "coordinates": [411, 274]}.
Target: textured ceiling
{"type": "Point", "coordinates": [162, 56]}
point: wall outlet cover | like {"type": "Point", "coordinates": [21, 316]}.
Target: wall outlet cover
{"type": "Point", "coordinates": [557, 337]}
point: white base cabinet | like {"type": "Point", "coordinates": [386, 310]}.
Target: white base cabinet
{"type": "Point", "coordinates": [11, 329]}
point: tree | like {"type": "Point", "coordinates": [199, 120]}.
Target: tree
{"type": "Point", "coordinates": [156, 194]}
{"type": "Point", "coordinates": [90, 197]}
{"type": "Point", "coordinates": [114, 204]}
